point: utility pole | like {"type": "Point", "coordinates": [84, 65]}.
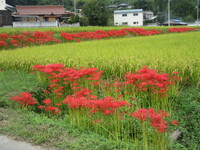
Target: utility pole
{"type": "Point", "coordinates": [75, 7]}
{"type": "Point", "coordinates": [168, 12]}
{"type": "Point", "coordinates": [197, 12]}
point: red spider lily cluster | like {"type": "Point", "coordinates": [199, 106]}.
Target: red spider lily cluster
{"type": "Point", "coordinates": [48, 107]}
{"type": "Point", "coordinates": [81, 91]}
{"type": "Point", "coordinates": [182, 29]}
{"type": "Point", "coordinates": [38, 37]}
{"type": "Point", "coordinates": [99, 34]}
{"type": "Point", "coordinates": [156, 119]}
{"type": "Point", "coordinates": [149, 80]}
{"type": "Point", "coordinates": [60, 76]}
{"type": "Point", "coordinates": [27, 38]}
{"type": "Point", "coordinates": [143, 32]}
{"type": "Point", "coordinates": [25, 99]}
{"type": "Point", "coordinates": [107, 105]}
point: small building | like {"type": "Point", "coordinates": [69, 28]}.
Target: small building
{"type": "Point", "coordinates": [174, 22]}
{"type": "Point", "coordinates": [131, 17]}
{"type": "Point", "coordinates": [40, 16]}
{"type": "Point", "coordinates": [148, 15]}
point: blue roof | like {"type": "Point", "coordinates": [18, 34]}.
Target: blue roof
{"type": "Point", "coordinates": [174, 21]}
{"type": "Point", "coordinates": [128, 11]}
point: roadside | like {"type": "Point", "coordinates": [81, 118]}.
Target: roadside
{"type": "Point", "coordinates": [38, 129]}
{"type": "Point", "coordinates": [7, 143]}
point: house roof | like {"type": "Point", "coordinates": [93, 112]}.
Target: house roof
{"type": "Point", "coordinates": [40, 9]}
{"type": "Point", "coordinates": [128, 11]}
{"type": "Point", "coordinates": [112, 6]}
{"type": "Point", "coordinates": [123, 5]}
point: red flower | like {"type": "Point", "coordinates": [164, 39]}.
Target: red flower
{"type": "Point", "coordinates": [96, 121]}
{"type": "Point", "coordinates": [175, 72]}
{"type": "Point", "coordinates": [174, 122]}
{"type": "Point", "coordinates": [108, 112]}
{"type": "Point", "coordinates": [40, 107]}
{"type": "Point", "coordinates": [3, 43]}
{"type": "Point", "coordinates": [141, 114]}
{"type": "Point", "coordinates": [54, 110]}
{"type": "Point", "coordinates": [25, 99]}
{"type": "Point", "coordinates": [58, 104]}
{"type": "Point", "coordinates": [46, 101]}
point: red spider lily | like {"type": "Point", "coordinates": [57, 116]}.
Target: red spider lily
{"type": "Point", "coordinates": [3, 37]}
{"type": "Point", "coordinates": [14, 42]}
{"type": "Point", "coordinates": [182, 29]}
{"type": "Point", "coordinates": [148, 79]}
{"type": "Point", "coordinates": [107, 106]}
{"type": "Point", "coordinates": [40, 107]}
{"type": "Point", "coordinates": [58, 75]}
{"type": "Point", "coordinates": [141, 114]}
{"type": "Point", "coordinates": [98, 34]}
{"type": "Point", "coordinates": [25, 99]}
{"type": "Point", "coordinates": [175, 72]}
{"type": "Point", "coordinates": [174, 122]}
{"type": "Point", "coordinates": [54, 110]}
{"type": "Point", "coordinates": [29, 38]}
{"type": "Point", "coordinates": [141, 31]}
{"type": "Point", "coordinates": [58, 104]}
{"type": "Point", "coordinates": [108, 112]}
{"type": "Point", "coordinates": [96, 121]}
{"type": "Point", "coordinates": [156, 119]}
{"type": "Point", "coordinates": [3, 43]}
{"type": "Point", "coordinates": [47, 101]}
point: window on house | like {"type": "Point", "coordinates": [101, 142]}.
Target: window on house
{"type": "Point", "coordinates": [135, 14]}
{"type": "Point", "coordinates": [136, 22]}
{"type": "Point", "coordinates": [46, 19]}
{"type": "Point", "coordinates": [124, 15]}
{"type": "Point", "coordinates": [124, 23]}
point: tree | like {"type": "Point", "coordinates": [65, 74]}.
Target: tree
{"type": "Point", "coordinates": [96, 11]}
{"type": "Point", "coordinates": [160, 5]}
{"type": "Point", "coordinates": [184, 9]}
{"type": "Point", "coordinates": [143, 4]}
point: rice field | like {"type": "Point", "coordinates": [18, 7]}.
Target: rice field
{"type": "Point", "coordinates": [12, 31]}
{"type": "Point", "coordinates": [168, 53]}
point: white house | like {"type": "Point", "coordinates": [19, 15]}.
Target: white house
{"type": "Point", "coordinates": [131, 17]}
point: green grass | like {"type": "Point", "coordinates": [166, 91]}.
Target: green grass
{"type": "Point", "coordinates": [188, 113]}
{"type": "Point", "coordinates": [167, 53]}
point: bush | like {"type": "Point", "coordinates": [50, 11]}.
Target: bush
{"type": "Point", "coordinates": [73, 19]}
{"type": "Point", "coordinates": [84, 21]}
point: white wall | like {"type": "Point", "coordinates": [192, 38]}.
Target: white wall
{"type": "Point", "coordinates": [130, 18]}
{"type": "Point", "coordinates": [34, 24]}
{"type": "Point", "coordinates": [70, 25]}
{"type": "Point", "coordinates": [2, 4]}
